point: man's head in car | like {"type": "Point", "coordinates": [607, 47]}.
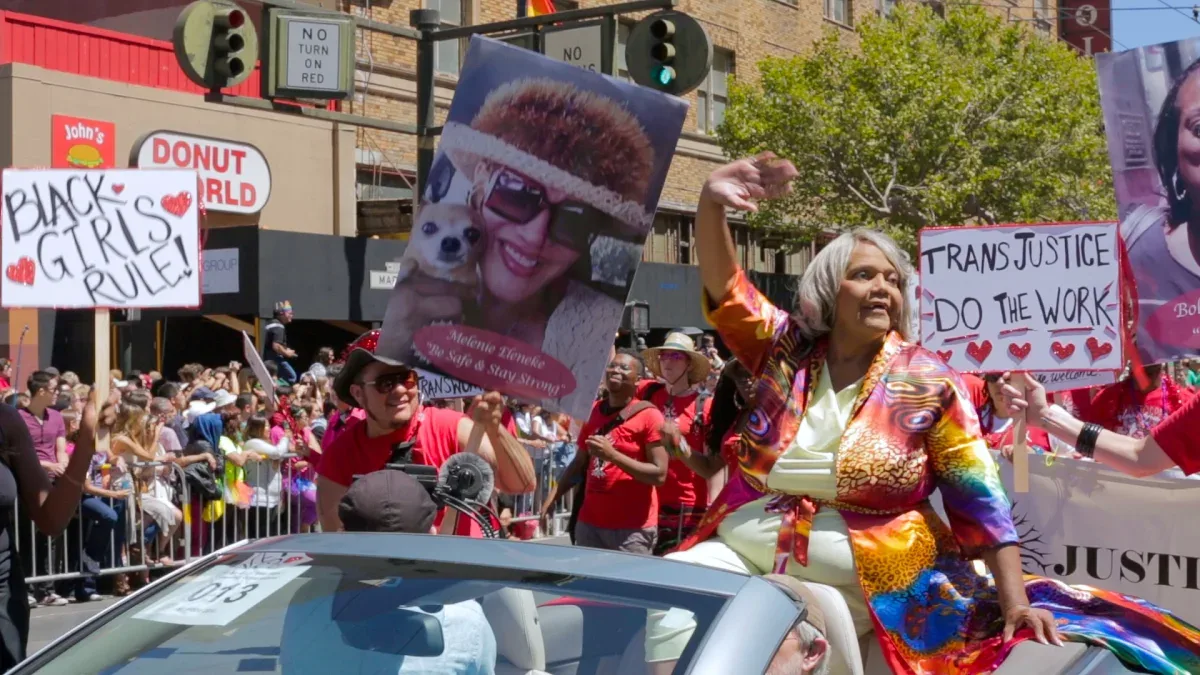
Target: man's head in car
{"type": "Point", "coordinates": [387, 501]}
{"type": "Point", "coordinates": [804, 651]}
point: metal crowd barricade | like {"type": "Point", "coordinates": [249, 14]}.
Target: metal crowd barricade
{"type": "Point", "coordinates": [131, 540]}
{"type": "Point", "coordinates": [271, 508]}
{"type": "Point", "coordinates": [527, 507]}
{"type": "Point", "coordinates": [107, 536]}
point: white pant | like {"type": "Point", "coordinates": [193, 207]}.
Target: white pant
{"type": "Point", "coordinates": [668, 633]}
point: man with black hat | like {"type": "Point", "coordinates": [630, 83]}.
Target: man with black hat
{"type": "Point", "coordinates": [397, 428]}
{"type": "Point", "coordinates": [391, 501]}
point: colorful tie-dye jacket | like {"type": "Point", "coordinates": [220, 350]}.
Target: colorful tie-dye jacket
{"type": "Point", "coordinates": [913, 429]}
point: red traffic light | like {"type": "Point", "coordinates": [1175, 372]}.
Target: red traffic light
{"type": "Point", "coordinates": [230, 18]}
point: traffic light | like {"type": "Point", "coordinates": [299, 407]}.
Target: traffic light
{"type": "Point", "coordinates": [663, 51]}
{"type": "Point", "coordinates": [669, 51]}
{"type": "Point", "coordinates": [229, 43]}
{"type": "Point", "coordinates": [216, 44]}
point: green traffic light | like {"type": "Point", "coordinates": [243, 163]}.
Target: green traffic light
{"type": "Point", "coordinates": [664, 75]}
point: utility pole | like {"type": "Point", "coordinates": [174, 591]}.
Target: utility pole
{"type": "Point", "coordinates": [426, 21]}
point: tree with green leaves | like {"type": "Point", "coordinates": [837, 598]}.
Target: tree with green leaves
{"type": "Point", "coordinates": [930, 120]}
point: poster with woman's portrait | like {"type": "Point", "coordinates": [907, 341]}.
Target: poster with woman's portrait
{"type": "Point", "coordinates": [1151, 101]}
{"type": "Point", "coordinates": [531, 227]}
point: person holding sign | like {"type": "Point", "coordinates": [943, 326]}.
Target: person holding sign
{"type": "Point", "coordinates": [399, 429]}
{"type": "Point", "coordinates": [25, 485]}
{"type": "Point", "coordinates": [852, 429]}
{"type": "Point", "coordinates": [1171, 443]}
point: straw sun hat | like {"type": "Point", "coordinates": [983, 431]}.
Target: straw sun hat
{"type": "Point", "coordinates": [678, 342]}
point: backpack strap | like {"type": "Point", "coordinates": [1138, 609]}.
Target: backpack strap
{"type": "Point", "coordinates": [652, 389]}
{"type": "Point", "coordinates": [633, 409]}
{"type": "Point", "coordinates": [700, 403]}
{"type": "Point", "coordinates": [627, 413]}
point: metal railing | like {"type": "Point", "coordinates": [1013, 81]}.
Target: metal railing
{"type": "Point", "coordinates": [164, 523]}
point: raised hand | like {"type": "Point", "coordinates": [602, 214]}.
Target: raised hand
{"type": "Point", "coordinates": [742, 184]}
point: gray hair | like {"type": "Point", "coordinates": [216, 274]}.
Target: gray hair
{"type": "Point", "coordinates": [805, 634]}
{"type": "Point", "coordinates": [161, 406]}
{"type": "Point", "coordinates": [817, 296]}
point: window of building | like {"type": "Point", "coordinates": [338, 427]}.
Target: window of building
{"type": "Point", "coordinates": [1041, 12]}
{"type": "Point", "coordinates": [838, 10]}
{"type": "Point", "coordinates": [713, 94]}
{"type": "Point", "coordinates": [447, 58]}
{"type": "Point", "coordinates": [885, 7]}
{"type": "Point", "coordinates": [620, 66]}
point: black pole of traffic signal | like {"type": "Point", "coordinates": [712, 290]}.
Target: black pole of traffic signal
{"type": "Point", "coordinates": [426, 21]}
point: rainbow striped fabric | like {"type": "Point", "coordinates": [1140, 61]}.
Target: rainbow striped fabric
{"type": "Point", "coordinates": [539, 7]}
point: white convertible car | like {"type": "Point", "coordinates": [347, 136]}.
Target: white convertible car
{"type": "Point", "coordinates": [359, 603]}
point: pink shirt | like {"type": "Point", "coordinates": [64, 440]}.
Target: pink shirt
{"type": "Point", "coordinates": [337, 425]}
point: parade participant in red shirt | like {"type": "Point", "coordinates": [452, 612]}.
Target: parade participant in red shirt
{"type": "Point", "coordinates": [1130, 409]}
{"type": "Point", "coordinates": [680, 370]}
{"type": "Point", "coordinates": [997, 423]}
{"type": "Point", "coordinates": [722, 427]}
{"type": "Point", "coordinates": [623, 464]}
{"type": "Point", "coordinates": [1171, 443]}
{"type": "Point", "coordinates": [388, 391]}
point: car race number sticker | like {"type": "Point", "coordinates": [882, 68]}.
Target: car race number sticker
{"type": "Point", "coordinates": [220, 595]}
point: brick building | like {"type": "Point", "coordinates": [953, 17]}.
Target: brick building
{"type": "Point", "coordinates": [109, 61]}
{"type": "Point", "coordinates": [743, 32]}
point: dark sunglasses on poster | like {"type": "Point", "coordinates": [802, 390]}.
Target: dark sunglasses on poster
{"type": "Point", "coordinates": [440, 177]}
{"type": "Point", "coordinates": [520, 200]}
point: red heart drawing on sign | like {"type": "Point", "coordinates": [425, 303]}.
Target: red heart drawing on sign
{"type": "Point", "coordinates": [1019, 352]}
{"type": "Point", "coordinates": [28, 270]}
{"type": "Point", "coordinates": [22, 272]}
{"type": "Point", "coordinates": [1098, 349]}
{"type": "Point", "coordinates": [118, 188]}
{"type": "Point", "coordinates": [946, 355]}
{"type": "Point", "coordinates": [979, 351]}
{"type": "Point", "coordinates": [1062, 352]}
{"type": "Point", "coordinates": [177, 205]}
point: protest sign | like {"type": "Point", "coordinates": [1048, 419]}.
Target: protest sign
{"type": "Point", "coordinates": [254, 360]}
{"type": "Point", "coordinates": [435, 386]}
{"type": "Point", "coordinates": [114, 238]}
{"type": "Point", "coordinates": [1022, 297]}
{"type": "Point", "coordinates": [1087, 524]}
{"type": "Point", "coordinates": [531, 227]}
{"type": "Point", "coordinates": [1156, 174]}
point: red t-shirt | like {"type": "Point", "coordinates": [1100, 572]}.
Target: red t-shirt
{"type": "Point", "coordinates": [1126, 410]}
{"type": "Point", "coordinates": [353, 453]}
{"type": "Point", "coordinates": [615, 500]}
{"type": "Point", "coordinates": [680, 488]}
{"type": "Point", "coordinates": [1177, 434]}
{"type": "Point", "coordinates": [509, 421]}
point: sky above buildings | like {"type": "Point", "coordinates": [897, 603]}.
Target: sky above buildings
{"type": "Point", "coordinates": [1137, 23]}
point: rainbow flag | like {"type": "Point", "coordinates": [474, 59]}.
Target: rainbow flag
{"type": "Point", "coordinates": [539, 7]}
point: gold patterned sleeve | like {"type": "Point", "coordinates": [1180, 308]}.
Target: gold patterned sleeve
{"type": "Point", "coordinates": [746, 320]}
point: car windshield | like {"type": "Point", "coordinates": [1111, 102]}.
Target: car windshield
{"type": "Point", "coordinates": [292, 613]}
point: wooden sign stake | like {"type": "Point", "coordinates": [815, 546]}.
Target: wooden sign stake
{"type": "Point", "coordinates": [102, 339]}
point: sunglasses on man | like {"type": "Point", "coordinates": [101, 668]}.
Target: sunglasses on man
{"type": "Point", "coordinates": [388, 382]}
{"type": "Point", "coordinates": [520, 199]}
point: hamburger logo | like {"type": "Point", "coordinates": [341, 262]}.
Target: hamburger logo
{"type": "Point", "coordinates": [80, 143]}
{"type": "Point", "coordinates": [85, 156]}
